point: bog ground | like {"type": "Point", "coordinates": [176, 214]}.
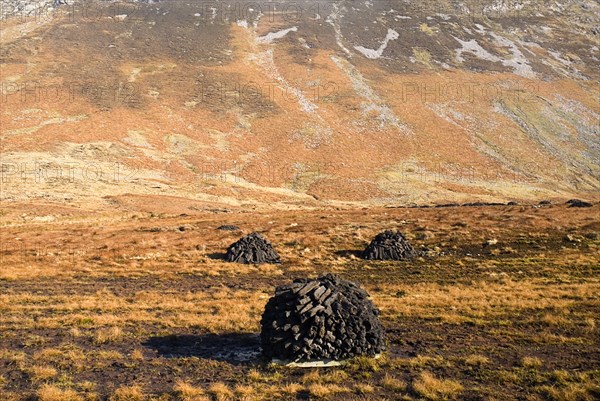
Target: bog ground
{"type": "Point", "coordinates": [126, 305]}
{"type": "Point", "coordinates": [131, 130]}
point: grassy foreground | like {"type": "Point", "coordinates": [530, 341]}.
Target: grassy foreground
{"type": "Point", "coordinates": [504, 306]}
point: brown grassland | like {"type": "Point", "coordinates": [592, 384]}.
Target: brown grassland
{"type": "Point", "coordinates": [132, 306]}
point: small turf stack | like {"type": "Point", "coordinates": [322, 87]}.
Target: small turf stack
{"type": "Point", "coordinates": [228, 227]}
{"type": "Point", "coordinates": [323, 319]}
{"type": "Point", "coordinates": [389, 245]}
{"type": "Point", "coordinates": [578, 203]}
{"type": "Point", "coordinates": [253, 248]}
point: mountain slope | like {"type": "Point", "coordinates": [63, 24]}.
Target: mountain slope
{"type": "Point", "coordinates": [346, 101]}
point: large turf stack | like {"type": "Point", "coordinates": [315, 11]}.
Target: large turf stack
{"type": "Point", "coordinates": [323, 319]}
{"type": "Point", "coordinates": [389, 245]}
{"type": "Point", "coordinates": [253, 248]}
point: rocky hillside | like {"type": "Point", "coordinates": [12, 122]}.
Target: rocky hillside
{"type": "Point", "coordinates": [300, 102]}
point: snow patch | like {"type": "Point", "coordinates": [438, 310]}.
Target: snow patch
{"type": "Point", "coordinates": [374, 54]}
{"type": "Point", "coordinates": [271, 36]}
{"type": "Point", "coordinates": [472, 46]}
{"type": "Point", "coordinates": [518, 62]}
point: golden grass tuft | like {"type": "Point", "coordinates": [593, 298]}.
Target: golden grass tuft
{"type": "Point", "coordinates": [220, 391]}
{"type": "Point", "coordinates": [571, 392]}
{"type": "Point", "coordinates": [335, 376]}
{"type": "Point", "coordinates": [292, 388]}
{"type": "Point", "coordinates": [551, 319]}
{"type": "Point", "coordinates": [108, 355]}
{"type": "Point", "coordinates": [244, 392]}
{"type": "Point", "coordinates": [321, 391]}
{"type": "Point", "coordinates": [187, 392]}
{"type": "Point", "coordinates": [364, 388]}
{"type": "Point", "coordinates": [66, 357]}
{"type": "Point", "coordinates": [16, 357]}
{"type": "Point", "coordinates": [531, 362]}
{"type": "Point", "coordinates": [364, 363]}
{"type": "Point", "coordinates": [432, 388]}
{"type": "Point", "coordinates": [391, 383]}
{"type": "Point", "coordinates": [311, 377]}
{"type": "Point", "coordinates": [590, 324]}
{"type": "Point", "coordinates": [107, 335]}
{"type": "Point", "coordinates": [137, 355]}
{"type": "Point", "coordinates": [476, 360]}
{"type": "Point", "coordinates": [419, 361]}
{"type": "Point", "coordinates": [50, 392]}
{"type": "Point", "coordinates": [128, 393]}
{"type": "Point", "coordinates": [254, 375]}
{"type": "Point", "coordinates": [41, 372]}
{"type": "Point", "coordinates": [75, 332]}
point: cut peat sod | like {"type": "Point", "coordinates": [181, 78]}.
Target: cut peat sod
{"type": "Point", "coordinates": [389, 245]}
{"type": "Point", "coordinates": [252, 249]}
{"type": "Point", "coordinates": [323, 320]}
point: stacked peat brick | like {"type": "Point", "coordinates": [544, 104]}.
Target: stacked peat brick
{"type": "Point", "coordinates": [228, 227]}
{"type": "Point", "coordinates": [253, 248]}
{"type": "Point", "coordinates": [323, 319]}
{"type": "Point", "coordinates": [389, 245]}
{"type": "Point", "coordinates": [578, 203]}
